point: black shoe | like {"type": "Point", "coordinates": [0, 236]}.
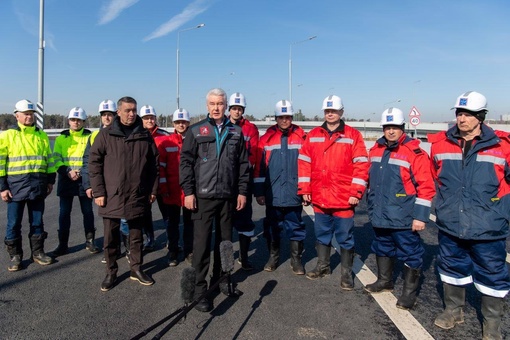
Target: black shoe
{"type": "Point", "coordinates": [172, 260]}
{"type": "Point", "coordinates": [141, 277]}
{"type": "Point", "coordinates": [189, 258]}
{"type": "Point", "coordinates": [108, 282]}
{"type": "Point", "coordinates": [149, 246]}
{"type": "Point", "coordinates": [204, 306]}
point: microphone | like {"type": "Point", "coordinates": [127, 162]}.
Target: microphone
{"type": "Point", "coordinates": [188, 278]}
{"type": "Point", "coordinates": [227, 256]}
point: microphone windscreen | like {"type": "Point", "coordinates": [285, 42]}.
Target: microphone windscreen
{"type": "Point", "coordinates": [227, 256]}
{"type": "Point", "coordinates": [188, 284]}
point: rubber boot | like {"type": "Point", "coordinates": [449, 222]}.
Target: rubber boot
{"type": "Point", "coordinates": [37, 246]}
{"type": "Point", "coordinates": [411, 283]}
{"type": "Point", "coordinates": [90, 244]}
{"type": "Point", "coordinates": [63, 240]}
{"type": "Point", "coordinates": [296, 250]}
{"type": "Point", "coordinates": [244, 246]}
{"type": "Point", "coordinates": [384, 276]}
{"type": "Point", "coordinates": [492, 313]}
{"type": "Point", "coordinates": [274, 256]}
{"type": "Point", "coordinates": [454, 300]}
{"type": "Point", "coordinates": [15, 251]}
{"type": "Point", "coordinates": [346, 279]}
{"type": "Point", "coordinates": [322, 268]}
{"type": "Point", "coordinates": [125, 240]}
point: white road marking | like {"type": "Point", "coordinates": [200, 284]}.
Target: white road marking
{"type": "Point", "coordinates": [403, 319]}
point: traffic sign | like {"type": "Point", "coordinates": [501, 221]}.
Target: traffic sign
{"type": "Point", "coordinates": [414, 121]}
{"type": "Point", "coordinates": [414, 112]}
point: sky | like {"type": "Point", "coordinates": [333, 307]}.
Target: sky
{"type": "Point", "coordinates": [373, 54]}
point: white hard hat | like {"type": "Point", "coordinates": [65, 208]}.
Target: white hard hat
{"type": "Point", "coordinates": [77, 112]}
{"type": "Point", "coordinates": [147, 110]}
{"type": "Point", "coordinates": [107, 105]}
{"type": "Point", "coordinates": [471, 101]}
{"type": "Point", "coordinates": [24, 106]}
{"type": "Point", "coordinates": [180, 114]}
{"type": "Point", "coordinates": [392, 116]}
{"type": "Point", "coordinates": [283, 108]}
{"type": "Point", "coordinates": [332, 103]}
{"type": "Point", "coordinates": [237, 99]}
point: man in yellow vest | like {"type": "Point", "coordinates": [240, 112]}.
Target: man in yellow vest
{"type": "Point", "coordinates": [27, 175]}
{"type": "Point", "coordinates": [68, 154]}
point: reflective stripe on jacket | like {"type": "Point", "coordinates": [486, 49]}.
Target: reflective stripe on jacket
{"type": "Point", "coordinates": [276, 175]}
{"type": "Point", "coordinates": [169, 148]}
{"type": "Point", "coordinates": [473, 200]}
{"type": "Point", "coordinates": [332, 169]}
{"type": "Point", "coordinates": [400, 186]}
{"type": "Point", "coordinates": [26, 162]}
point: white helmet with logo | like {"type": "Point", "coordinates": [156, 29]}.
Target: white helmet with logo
{"type": "Point", "coordinates": [392, 116]}
{"type": "Point", "coordinates": [283, 108]}
{"type": "Point", "coordinates": [332, 103]}
{"type": "Point", "coordinates": [77, 112]}
{"type": "Point", "coordinates": [24, 106]}
{"type": "Point", "coordinates": [107, 105]}
{"type": "Point", "coordinates": [237, 99]}
{"type": "Point", "coordinates": [471, 101]}
{"type": "Point", "coordinates": [180, 114]}
{"type": "Point", "coordinates": [147, 110]}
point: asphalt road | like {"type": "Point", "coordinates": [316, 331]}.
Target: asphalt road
{"type": "Point", "coordinates": [64, 301]}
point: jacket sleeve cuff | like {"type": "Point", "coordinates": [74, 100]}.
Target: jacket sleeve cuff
{"type": "Point", "coordinates": [3, 183]}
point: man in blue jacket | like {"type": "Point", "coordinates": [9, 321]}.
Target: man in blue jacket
{"type": "Point", "coordinates": [471, 165]}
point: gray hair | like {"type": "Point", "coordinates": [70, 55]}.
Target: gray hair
{"type": "Point", "coordinates": [216, 92]}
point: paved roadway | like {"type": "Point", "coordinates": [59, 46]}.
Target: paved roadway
{"type": "Point", "coordinates": [63, 301]}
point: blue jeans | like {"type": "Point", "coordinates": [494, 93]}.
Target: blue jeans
{"type": "Point", "coordinates": [15, 210]}
{"type": "Point", "coordinates": [326, 226]}
{"type": "Point", "coordinates": [66, 206]}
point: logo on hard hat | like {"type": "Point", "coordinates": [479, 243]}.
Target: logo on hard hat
{"type": "Point", "coordinates": [76, 113]}
{"type": "Point", "coordinates": [329, 104]}
{"type": "Point", "coordinates": [180, 115]}
{"type": "Point", "coordinates": [237, 100]}
{"type": "Point", "coordinates": [284, 110]}
{"type": "Point", "coordinates": [147, 110]}
{"type": "Point", "coordinates": [105, 106]}
{"type": "Point", "coordinates": [389, 118]}
{"type": "Point", "coordinates": [31, 106]}
{"type": "Point", "coordinates": [463, 101]}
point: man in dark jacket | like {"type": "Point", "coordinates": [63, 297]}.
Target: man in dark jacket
{"type": "Point", "coordinates": [214, 175]}
{"type": "Point", "coordinates": [123, 170]}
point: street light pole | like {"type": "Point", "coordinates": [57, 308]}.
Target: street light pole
{"type": "Point", "coordinates": [393, 101]}
{"type": "Point", "coordinates": [178, 36]}
{"type": "Point", "coordinates": [290, 63]}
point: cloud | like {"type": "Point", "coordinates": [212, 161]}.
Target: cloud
{"type": "Point", "coordinates": [190, 12]}
{"type": "Point", "coordinates": [112, 10]}
{"type": "Point", "coordinates": [31, 25]}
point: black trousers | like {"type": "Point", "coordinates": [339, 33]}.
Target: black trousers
{"type": "Point", "coordinates": [112, 242]}
{"type": "Point", "coordinates": [217, 212]}
{"type": "Point", "coordinates": [172, 229]}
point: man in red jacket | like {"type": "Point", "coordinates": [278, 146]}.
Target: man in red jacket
{"type": "Point", "coordinates": [333, 174]}
{"type": "Point", "coordinates": [242, 219]}
{"type": "Point", "coordinates": [170, 191]}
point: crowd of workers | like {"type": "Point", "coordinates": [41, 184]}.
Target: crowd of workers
{"type": "Point", "coordinates": [208, 173]}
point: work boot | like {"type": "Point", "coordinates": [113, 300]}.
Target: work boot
{"type": "Point", "coordinates": [411, 283]}
{"type": "Point", "coordinates": [346, 279]}
{"type": "Point", "coordinates": [322, 268]}
{"type": "Point", "coordinates": [62, 248]}
{"type": "Point", "coordinates": [454, 300]}
{"type": "Point", "coordinates": [244, 246]}
{"type": "Point", "coordinates": [37, 246]}
{"type": "Point", "coordinates": [15, 250]}
{"type": "Point", "coordinates": [492, 313]}
{"type": "Point", "coordinates": [274, 257]}
{"type": "Point", "coordinates": [296, 250]}
{"type": "Point", "coordinates": [90, 244]}
{"type": "Point", "coordinates": [384, 276]}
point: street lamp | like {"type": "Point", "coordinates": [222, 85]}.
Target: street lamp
{"type": "Point", "coordinates": [393, 101]}
{"type": "Point", "coordinates": [290, 63]}
{"type": "Point", "coordinates": [178, 33]}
